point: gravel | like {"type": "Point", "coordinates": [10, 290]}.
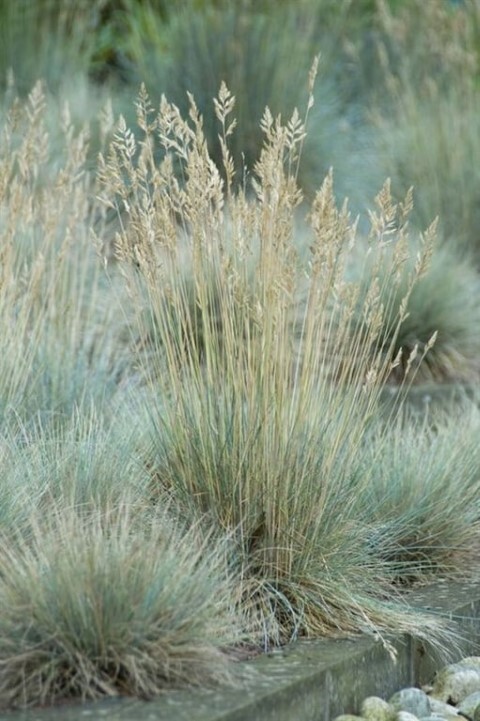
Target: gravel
{"type": "Point", "coordinates": [453, 696]}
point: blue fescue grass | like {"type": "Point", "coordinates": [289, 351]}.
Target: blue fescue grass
{"type": "Point", "coordinates": [266, 400]}
{"type": "Point", "coordinates": [111, 604]}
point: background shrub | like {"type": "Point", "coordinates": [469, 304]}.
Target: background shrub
{"type": "Point", "coordinates": [264, 58]}
{"type": "Point", "coordinates": [427, 117]}
{"type": "Point", "coordinates": [442, 305]}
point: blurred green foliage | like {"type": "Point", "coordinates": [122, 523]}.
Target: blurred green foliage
{"type": "Point", "coordinates": [52, 40]}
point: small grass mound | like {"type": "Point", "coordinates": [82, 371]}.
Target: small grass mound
{"type": "Point", "coordinates": [108, 605]}
{"type": "Point", "coordinates": [422, 499]}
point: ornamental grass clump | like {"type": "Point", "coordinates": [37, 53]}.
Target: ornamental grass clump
{"type": "Point", "coordinates": [59, 329]}
{"type": "Point", "coordinates": [261, 431]}
{"type": "Point", "coordinates": [111, 604]}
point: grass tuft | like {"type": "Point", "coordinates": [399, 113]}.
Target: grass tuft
{"type": "Point", "coordinates": [250, 431]}
{"type": "Point", "coordinates": [423, 497]}
{"type": "Point", "coordinates": [110, 605]}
